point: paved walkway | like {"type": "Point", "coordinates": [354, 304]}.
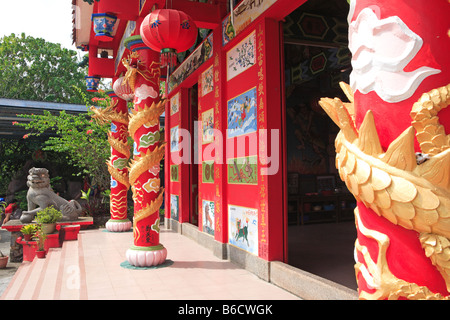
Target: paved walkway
{"type": "Point", "coordinates": [8, 273]}
{"type": "Point", "coordinates": [90, 268]}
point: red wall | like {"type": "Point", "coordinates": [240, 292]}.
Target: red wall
{"type": "Point", "coordinates": [264, 197]}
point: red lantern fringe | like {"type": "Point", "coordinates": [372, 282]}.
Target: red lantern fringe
{"type": "Point", "coordinates": [168, 59]}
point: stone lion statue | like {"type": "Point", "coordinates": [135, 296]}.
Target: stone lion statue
{"type": "Point", "coordinates": [40, 195]}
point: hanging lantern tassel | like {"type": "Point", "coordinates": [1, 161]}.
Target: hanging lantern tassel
{"type": "Point", "coordinates": [168, 58]}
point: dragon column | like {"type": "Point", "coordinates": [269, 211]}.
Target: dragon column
{"type": "Point", "coordinates": [393, 150]}
{"type": "Point", "coordinates": [117, 114]}
{"type": "Point", "coordinates": [143, 76]}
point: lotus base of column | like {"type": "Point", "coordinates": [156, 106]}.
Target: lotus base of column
{"type": "Point", "coordinates": [118, 225]}
{"type": "Point", "coordinates": [146, 256]}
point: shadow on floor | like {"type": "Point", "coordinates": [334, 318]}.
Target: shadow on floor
{"type": "Point", "coordinates": [325, 250]}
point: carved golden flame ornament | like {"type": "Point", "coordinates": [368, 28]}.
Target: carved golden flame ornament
{"type": "Point", "coordinates": [110, 114]}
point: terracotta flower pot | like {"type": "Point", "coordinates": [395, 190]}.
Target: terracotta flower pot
{"type": "Point", "coordinates": [40, 254]}
{"type": "Point", "coordinates": [3, 262]}
{"type": "Point", "coordinates": [48, 228]}
{"type": "Point", "coordinates": [27, 237]}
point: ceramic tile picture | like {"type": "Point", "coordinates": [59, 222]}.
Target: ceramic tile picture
{"type": "Point", "coordinates": [208, 216]}
{"type": "Point", "coordinates": [174, 173]}
{"type": "Point", "coordinates": [174, 139]}
{"type": "Point", "coordinates": [208, 171]}
{"type": "Point", "coordinates": [207, 81]}
{"type": "Point", "coordinates": [243, 228]}
{"type": "Point", "coordinates": [248, 11]}
{"type": "Point", "coordinates": [243, 170]}
{"type": "Point", "coordinates": [228, 33]}
{"type": "Point", "coordinates": [199, 56]}
{"type": "Point", "coordinates": [175, 104]}
{"type": "Point", "coordinates": [208, 126]}
{"type": "Point", "coordinates": [174, 206]}
{"type": "Point", "coordinates": [242, 114]}
{"type": "Point", "coordinates": [242, 56]}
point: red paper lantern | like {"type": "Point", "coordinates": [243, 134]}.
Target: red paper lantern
{"type": "Point", "coordinates": [169, 32]}
{"type": "Point", "coordinates": [123, 89]}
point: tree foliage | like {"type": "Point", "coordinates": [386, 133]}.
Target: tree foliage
{"type": "Point", "coordinates": [33, 69]}
{"type": "Point", "coordinates": [82, 140]}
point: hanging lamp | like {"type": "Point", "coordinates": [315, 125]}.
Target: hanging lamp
{"type": "Point", "coordinates": [103, 24]}
{"type": "Point", "coordinates": [169, 32]}
{"type": "Point", "coordinates": [123, 89]}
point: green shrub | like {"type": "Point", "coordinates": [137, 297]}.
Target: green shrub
{"type": "Point", "coordinates": [48, 215]}
{"type": "Point", "coordinates": [28, 229]}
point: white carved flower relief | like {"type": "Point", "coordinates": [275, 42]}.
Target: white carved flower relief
{"type": "Point", "coordinates": [381, 49]}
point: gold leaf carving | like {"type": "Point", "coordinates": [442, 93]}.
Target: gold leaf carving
{"type": "Point", "coordinates": [430, 133]}
{"type": "Point", "coordinates": [400, 153]}
{"type": "Point", "coordinates": [393, 184]}
{"type": "Point", "coordinates": [146, 116]}
{"type": "Point", "coordinates": [368, 140]}
{"type": "Point", "coordinates": [144, 162]}
{"type": "Point", "coordinates": [378, 275]}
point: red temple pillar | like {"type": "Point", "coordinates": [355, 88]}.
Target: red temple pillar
{"type": "Point", "coordinates": [393, 151]}
{"type": "Point", "coordinates": [143, 76]}
{"type": "Point", "coordinates": [117, 165]}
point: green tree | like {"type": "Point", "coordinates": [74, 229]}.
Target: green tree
{"type": "Point", "coordinates": [33, 69]}
{"type": "Point", "coordinates": [81, 140]}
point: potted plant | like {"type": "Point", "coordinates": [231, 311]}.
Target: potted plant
{"type": "Point", "coordinates": [47, 219]}
{"type": "Point", "coordinates": [28, 231]}
{"type": "Point", "coordinates": [41, 236]}
{"type": "Point", "coordinates": [3, 260]}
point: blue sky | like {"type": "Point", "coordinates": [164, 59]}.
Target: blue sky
{"type": "Point", "coordinates": [47, 19]}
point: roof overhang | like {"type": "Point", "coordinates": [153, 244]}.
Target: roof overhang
{"type": "Point", "coordinates": [10, 108]}
{"type": "Point", "coordinates": [81, 20]}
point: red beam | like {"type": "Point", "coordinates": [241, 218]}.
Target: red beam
{"type": "Point", "coordinates": [282, 8]}
{"type": "Point", "coordinates": [205, 15]}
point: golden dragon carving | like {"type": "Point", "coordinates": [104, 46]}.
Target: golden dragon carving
{"type": "Point", "coordinates": [380, 277]}
{"type": "Point", "coordinates": [149, 116]}
{"type": "Point", "coordinates": [393, 183]}
{"type": "Point", "coordinates": [103, 116]}
{"type": "Point", "coordinates": [108, 113]}
{"type": "Point", "coordinates": [135, 66]}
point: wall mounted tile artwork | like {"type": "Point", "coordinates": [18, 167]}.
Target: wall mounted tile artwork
{"type": "Point", "coordinates": [174, 173]}
{"type": "Point", "coordinates": [243, 170]}
{"type": "Point", "coordinates": [207, 81]}
{"type": "Point", "coordinates": [174, 206]}
{"type": "Point", "coordinates": [208, 126]}
{"type": "Point", "coordinates": [175, 104]}
{"type": "Point", "coordinates": [174, 139]}
{"type": "Point", "coordinates": [243, 228]}
{"type": "Point", "coordinates": [242, 114]}
{"type": "Point", "coordinates": [208, 216]}
{"type": "Point", "coordinates": [242, 56]}
{"type": "Point", "coordinates": [208, 171]}
{"type": "Point", "coordinates": [199, 56]}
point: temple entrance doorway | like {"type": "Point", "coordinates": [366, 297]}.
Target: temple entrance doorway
{"type": "Point", "coordinates": [193, 168]}
{"type": "Point", "coordinates": [320, 223]}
